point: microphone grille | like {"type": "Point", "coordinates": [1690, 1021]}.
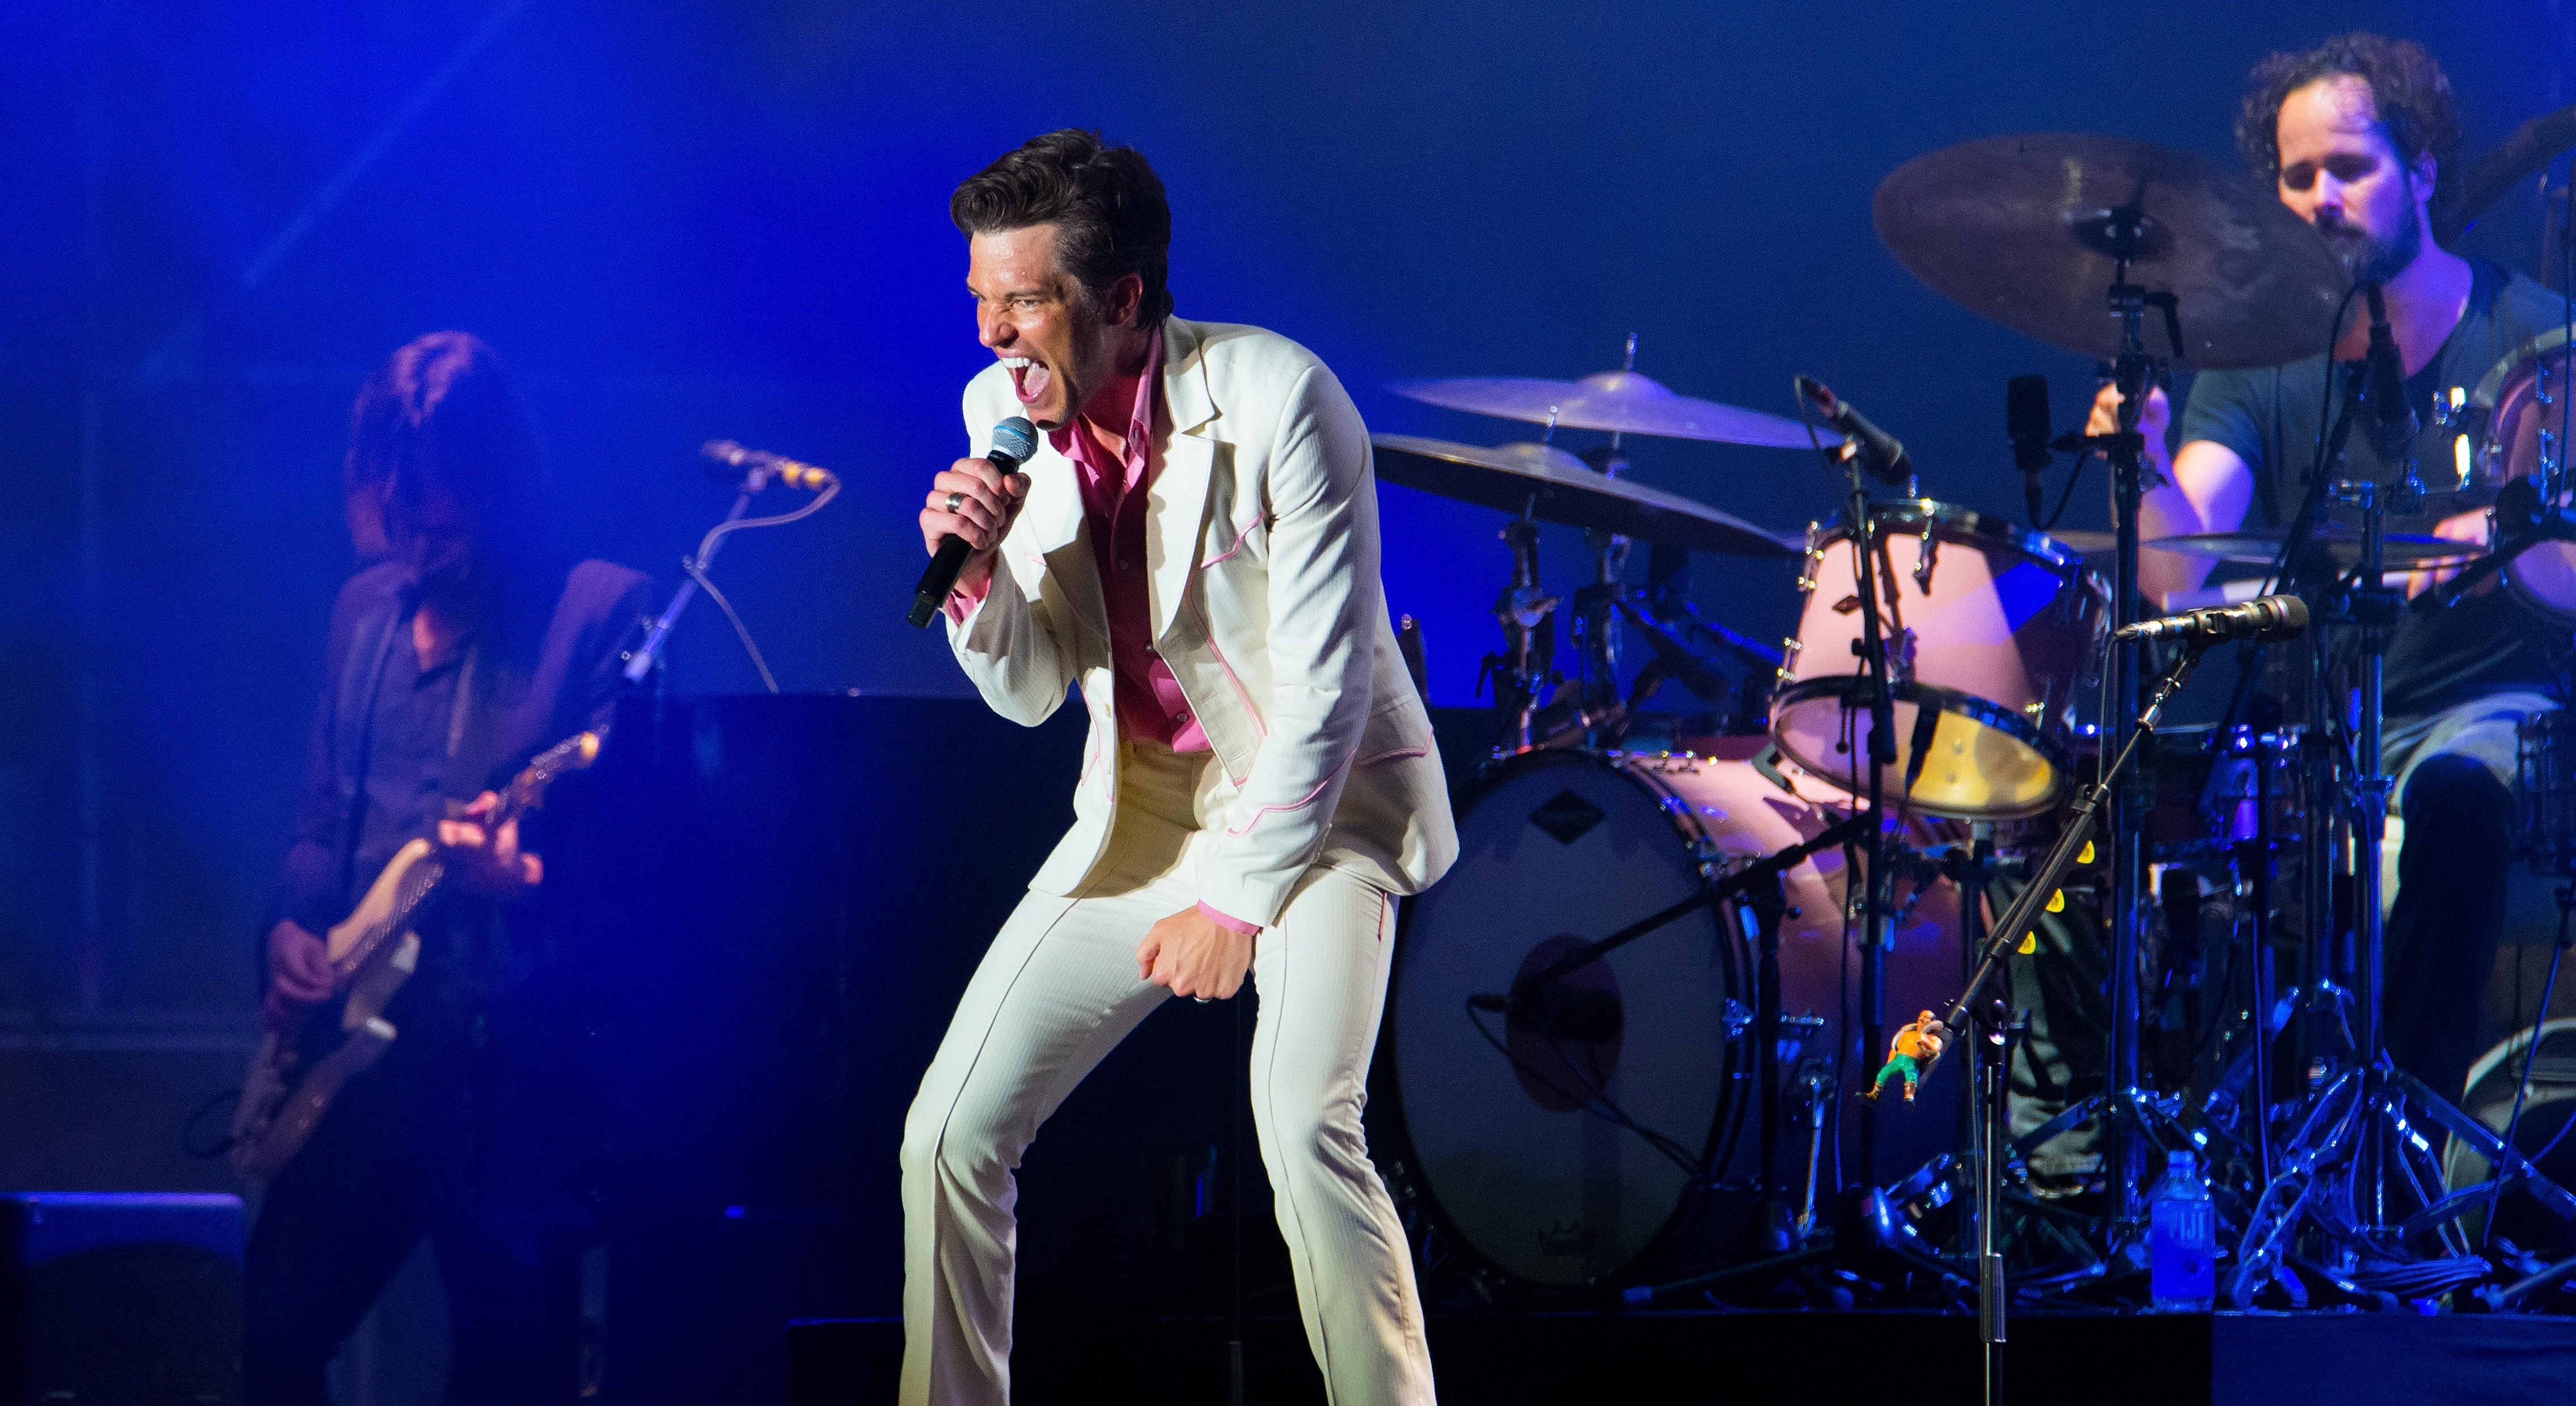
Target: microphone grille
{"type": "Point", "coordinates": [2291, 610]}
{"type": "Point", "coordinates": [1015, 437]}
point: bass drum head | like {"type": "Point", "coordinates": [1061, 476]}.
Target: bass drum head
{"type": "Point", "coordinates": [1561, 849]}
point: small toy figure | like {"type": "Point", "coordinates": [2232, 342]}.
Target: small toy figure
{"type": "Point", "coordinates": [1918, 1042]}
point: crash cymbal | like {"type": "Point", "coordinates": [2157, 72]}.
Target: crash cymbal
{"type": "Point", "coordinates": [2262, 545]}
{"type": "Point", "coordinates": [1554, 486]}
{"type": "Point", "coordinates": [1622, 401]}
{"type": "Point", "coordinates": [2022, 230]}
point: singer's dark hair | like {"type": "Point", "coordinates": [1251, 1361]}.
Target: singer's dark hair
{"type": "Point", "coordinates": [440, 413]}
{"type": "Point", "coordinates": [2407, 88]}
{"type": "Point", "coordinates": [1106, 203]}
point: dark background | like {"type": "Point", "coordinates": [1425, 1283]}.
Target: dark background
{"type": "Point", "coordinates": [687, 221]}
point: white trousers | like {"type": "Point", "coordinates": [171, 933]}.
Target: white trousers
{"type": "Point", "coordinates": [1055, 993]}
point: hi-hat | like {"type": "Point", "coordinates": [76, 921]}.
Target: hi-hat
{"type": "Point", "coordinates": [1554, 486]}
{"type": "Point", "coordinates": [1620, 401]}
{"type": "Point", "coordinates": [2027, 230]}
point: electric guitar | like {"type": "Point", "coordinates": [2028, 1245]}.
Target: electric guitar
{"type": "Point", "coordinates": [285, 1092]}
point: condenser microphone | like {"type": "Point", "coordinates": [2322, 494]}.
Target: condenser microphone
{"type": "Point", "coordinates": [1014, 440]}
{"type": "Point", "coordinates": [2392, 420]}
{"type": "Point", "coordinates": [1881, 455]}
{"type": "Point", "coordinates": [795, 473]}
{"type": "Point", "coordinates": [2262, 620]}
{"type": "Point", "coordinates": [2026, 422]}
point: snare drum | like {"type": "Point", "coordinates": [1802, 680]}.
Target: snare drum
{"type": "Point", "coordinates": [1992, 631]}
{"type": "Point", "coordinates": [1562, 1159]}
{"type": "Point", "coordinates": [2215, 792]}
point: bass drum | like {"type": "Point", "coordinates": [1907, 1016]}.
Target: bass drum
{"type": "Point", "coordinates": [1565, 1157]}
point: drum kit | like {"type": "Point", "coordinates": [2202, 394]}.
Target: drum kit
{"type": "Point", "coordinates": [1627, 1033]}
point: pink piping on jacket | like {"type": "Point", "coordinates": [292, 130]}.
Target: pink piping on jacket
{"type": "Point", "coordinates": [1229, 552]}
{"type": "Point", "coordinates": [1396, 755]}
{"type": "Point", "coordinates": [1199, 608]}
{"type": "Point", "coordinates": [1246, 827]}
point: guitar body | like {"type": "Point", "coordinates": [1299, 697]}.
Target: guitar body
{"type": "Point", "coordinates": [286, 1091]}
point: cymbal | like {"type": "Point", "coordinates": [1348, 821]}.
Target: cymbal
{"type": "Point", "coordinates": [1613, 400]}
{"type": "Point", "coordinates": [2261, 546]}
{"type": "Point", "coordinates": [1554, 486]}
{"type": "Point", "coordinates": [2020, 229]}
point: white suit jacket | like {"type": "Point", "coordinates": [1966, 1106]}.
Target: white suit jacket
{"type": "Point", "coordinates": [1265, 601]}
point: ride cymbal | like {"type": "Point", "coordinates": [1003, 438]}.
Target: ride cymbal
{"type": "Point", "coordinates": [2025, 230]}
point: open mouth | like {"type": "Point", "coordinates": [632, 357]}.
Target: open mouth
{"type": "Point", "coordinates": [1029, 379]}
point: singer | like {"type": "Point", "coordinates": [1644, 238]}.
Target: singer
{"type": "Point", "coordinates": [1194, 545]}
{"type": "Point", "coordinates": [2356, 134]}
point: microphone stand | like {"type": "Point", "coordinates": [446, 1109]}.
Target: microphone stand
{"type": "Point", "coordinates": [1988, 1072]}
{"type": "Point", "coordinates": [1881, 700]}
{"type": "Point", "coordinates": [646, 658]}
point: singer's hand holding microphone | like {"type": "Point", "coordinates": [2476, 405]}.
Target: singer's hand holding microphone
{"type": "Point", "coordinates": [969, 509]}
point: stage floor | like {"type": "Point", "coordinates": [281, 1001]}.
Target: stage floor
{"type": "Point", "coordinates": [1802, 1359]}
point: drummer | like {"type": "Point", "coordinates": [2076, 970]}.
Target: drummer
{"type": "Point", "coordinates": [2356, 134]}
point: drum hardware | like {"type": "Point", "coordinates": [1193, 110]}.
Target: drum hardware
{"type": "Point", "coordinates": [2357, 1155]}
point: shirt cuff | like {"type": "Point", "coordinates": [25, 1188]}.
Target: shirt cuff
{"type": "Point", "coordinates": [962, 603]}
{"type": "Point", "coordinates": [1231, 924]}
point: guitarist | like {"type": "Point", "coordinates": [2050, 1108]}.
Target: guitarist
{"type": "Point", "coordinates": [466, 648]}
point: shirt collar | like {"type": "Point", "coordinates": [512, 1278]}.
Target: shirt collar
{"type": "Point", "coordinates": [1140, 417]}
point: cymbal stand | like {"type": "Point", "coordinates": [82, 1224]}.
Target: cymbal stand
{"type": "Point", "coordinates": [2131, 1116]}
{"type": "Point", "coordinates": [1595, 632]}
{"type": "Point", "coordinates": [1529, 639]}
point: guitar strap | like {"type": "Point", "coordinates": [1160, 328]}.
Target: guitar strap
{"type": "Point", "coordinates": [355, 727]}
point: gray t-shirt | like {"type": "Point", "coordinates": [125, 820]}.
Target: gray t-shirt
{"type": "Point", "coordinates": [2269, 416]}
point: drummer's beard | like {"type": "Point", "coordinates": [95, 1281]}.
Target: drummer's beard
{"type": "Point", "coordinates": [2379, 258]}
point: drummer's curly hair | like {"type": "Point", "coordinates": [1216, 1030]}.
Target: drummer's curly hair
{"type": "Point", "coordinates": [2409, 89]}
{"type": "Point", "coordinates": [1106, 203]}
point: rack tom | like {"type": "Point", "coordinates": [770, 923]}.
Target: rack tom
{"type": "Point", "coordinates": [1992, 631]}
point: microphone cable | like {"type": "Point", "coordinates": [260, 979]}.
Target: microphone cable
{"type": "Point", "coordinates": [693, 564]}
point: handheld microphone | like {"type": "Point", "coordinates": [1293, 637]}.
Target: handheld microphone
{"type": "Point", "coordinates": [2263, 620]}
{"type": "Point", "coordinates": [795, 473]}
{"type": "Point", "coordinates": [1014, 440]}
{"type": "Point", "coordinates": [2392, 420]}
{"type": "Point", "coordinates": [2026, 422]}
{"type": "Point", "coordinates": [1881, 455]}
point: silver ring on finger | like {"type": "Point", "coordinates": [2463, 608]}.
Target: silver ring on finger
{"type": "Point", "coordinates": [1202, 1000]}
{"type": "Point", "coordinates": [955, 500]}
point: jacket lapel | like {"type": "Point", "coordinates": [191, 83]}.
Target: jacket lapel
{"type": "Point", "coordinates": [1054, 519]}
{"type": "Point", "coordinates": [1179, 494]}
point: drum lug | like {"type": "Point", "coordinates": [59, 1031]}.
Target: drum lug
{"type": "Point", "coordinates": [1789, 648]}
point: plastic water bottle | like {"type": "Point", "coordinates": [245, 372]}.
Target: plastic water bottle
{"type": "Point", "coordinates": [2182, 1240]}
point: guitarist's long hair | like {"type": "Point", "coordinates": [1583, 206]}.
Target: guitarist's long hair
{"type": "Point", "coordinates": [441, 413]}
